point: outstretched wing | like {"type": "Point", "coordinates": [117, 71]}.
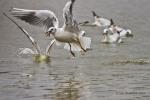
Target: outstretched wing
{"type": "Point", "coordinates": [70, 24]}
{"type": "Point", "coordinates": [43, 18]}
{"type": "Point", "coordinates": [31, 39]}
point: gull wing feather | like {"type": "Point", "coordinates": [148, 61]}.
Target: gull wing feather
{"type": "Point", "coordinates": [70, 24]}
{"type": "Point", "coordinates": [31, 39]}
{"type": "Point", "coordinates": [45, 18]}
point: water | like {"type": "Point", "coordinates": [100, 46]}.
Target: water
{"type": "Point", "coordinates": [98, 75]}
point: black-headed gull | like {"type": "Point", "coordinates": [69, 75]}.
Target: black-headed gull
{"type": "Point", "coordinates": [110, 36]}
{"type": "Point", "coordinates": [122, 31]}
{"type": "Point", "coordinates": [70, 33]}
{"type": "Point", "coordinates": [115, 34]}
{"type": "Point", "coordinates": [98, 21]}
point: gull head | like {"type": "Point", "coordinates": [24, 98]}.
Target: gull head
{"type": "Point", "coordinates": [82, 33]}
{"type": "Point", "coordinates": [50, 31]}
{"type": "Point", "coordinates": [107, 32]}
{"type": "Point", "coordinates": [129, 33]}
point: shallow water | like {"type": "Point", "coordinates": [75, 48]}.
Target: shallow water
{"type": "Point", "coordinates": [104, 73]}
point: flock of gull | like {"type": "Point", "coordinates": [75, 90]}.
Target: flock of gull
{"type": "Point", "coordinates": [70, 35]}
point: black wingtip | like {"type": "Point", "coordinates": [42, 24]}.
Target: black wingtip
{"type": "Point", "coordinates": [5, 14]}
{"type": "Point", "coordinates": [111, 22]}
{"type": "Point", "coordinates": [94, 14]}
{"type": "Point", "coordinates": [72, 1]}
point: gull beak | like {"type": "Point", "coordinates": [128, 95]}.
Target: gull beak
{"type": "Point", "coordinates": [104, 33]}
{"type": "Point", "coordinates": [48, 34]}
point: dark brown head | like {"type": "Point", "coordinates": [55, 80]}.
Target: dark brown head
{"type": "Point", "coordinates": [50, 31]}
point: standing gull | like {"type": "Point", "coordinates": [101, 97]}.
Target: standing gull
{"type": "Point", "coordinates": [70, 34]}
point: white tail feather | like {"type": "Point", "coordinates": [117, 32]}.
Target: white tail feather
{"type": "Point", "coordinates": [85, 43]}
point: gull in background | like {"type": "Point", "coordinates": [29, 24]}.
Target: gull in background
{"type": "Point", "coordinates": [110, 36]}
{"type": "Point", "coordinates": [124, 33]}
{"type": "Point", "coordinates": [98, 21]}
{"type": "Point", "coordinates": [70, 34]}
{"type": "Point", "coordinates": [115, 34]}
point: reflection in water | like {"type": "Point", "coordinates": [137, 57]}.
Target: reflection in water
{"type": "Point", "coordinates": [68, 90]}
{"type": "Point", "coordinates": [74, 86]}
{"type": "Point", "coordinates": [56, 85]}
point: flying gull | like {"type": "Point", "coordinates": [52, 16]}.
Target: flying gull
{"type": "Point", "coordinates": [70, 34]}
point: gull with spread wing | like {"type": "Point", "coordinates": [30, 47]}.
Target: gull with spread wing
{"type": "Point", "coordinates": [70, 34]}
{"type": "Point", "coordinates": [99, 21]}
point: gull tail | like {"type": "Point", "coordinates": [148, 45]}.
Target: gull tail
{"type": "Point", "coordinates": [84, 41]}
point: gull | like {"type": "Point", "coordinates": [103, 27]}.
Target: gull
{"type": "Point", "coordinates": [124, 33]}
{"type": "Point", "coordinates": [110, 36]}
{"type": "Point", "coordinates": [98, 21]}
{"type": "Point", "coordinates": [115, 34]}
{"type": "Point", "coordinates": [69, 34]}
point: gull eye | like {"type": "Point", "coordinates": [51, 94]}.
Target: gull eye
{"type": "Point", "coordinates": [52, 30]}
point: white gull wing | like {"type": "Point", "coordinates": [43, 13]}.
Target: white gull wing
{"type": "Point", "coordinates": [70, 24]}
{"type": "Point", "coordinates": [44, 18]}
{"type": "Point", "coordinates": [30, 38]}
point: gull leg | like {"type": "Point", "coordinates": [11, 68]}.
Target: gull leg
{"type": "Point", "coordinates": [49, 47]}
{"type": "Point", "coordinates": [73, 54]}
{"type": "Point", "coordinates": [81, 45]}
